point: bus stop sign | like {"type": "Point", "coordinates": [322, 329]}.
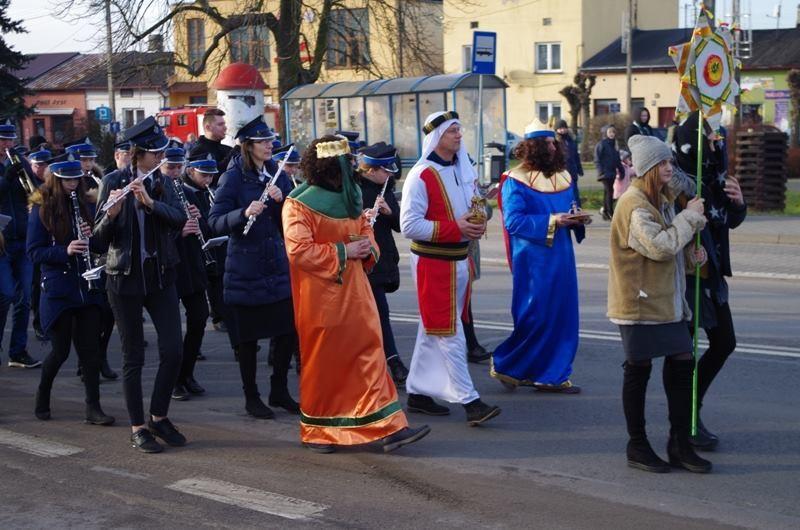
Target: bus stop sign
{"type": "Point", "coordinates": [484, 52]}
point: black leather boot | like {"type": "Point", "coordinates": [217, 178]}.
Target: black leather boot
{"type": "Point", "coordinates": [479, 412]}
{"type": "Point", "coordinates": [256, 408]}
{"type": "Point", "coordinates": [426, 405]}
{"type": "Point", "coordinates": [639, 451]}
{"type": "Point", "coordinates": [704, 440]}
{"type": "Point", "coordinates": [96, 416]}
{"type": "Point", "coordinates": [397, 370]}
{"type": "Point", "coordinates": [678, 386]}
{"type": "Point", "coordinates": [107, 372]}
{"type": "Point", "coordinates": [279, 395]}
{"type": "Point", "coordinates": [42, 409]}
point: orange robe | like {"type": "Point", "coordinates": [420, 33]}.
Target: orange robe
{"type": "Point", "coordinates": [346, 394]}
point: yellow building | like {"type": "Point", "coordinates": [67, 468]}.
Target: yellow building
{"type": "Point", "coordinates": [363, 43]}
{"type": "Point", "coordinates": [541, 45]}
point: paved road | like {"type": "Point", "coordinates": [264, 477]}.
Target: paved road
{"type": "Point", "coordinates": [547, 461]}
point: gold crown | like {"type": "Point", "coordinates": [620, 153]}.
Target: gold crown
{"type": "Point", "coordinates": [331, 149]}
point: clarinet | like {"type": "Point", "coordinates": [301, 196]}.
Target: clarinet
{"type": "Point", "coordinates": [207, 257]}
{"type": "Point", "coordinates": [86, 256]}
{"type": "Point", "coordinates": [211, 195]}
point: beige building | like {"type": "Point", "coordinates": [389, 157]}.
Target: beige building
{"type": "Point", "coordinates": [541, 45]}
{"type": "Point", "coordinates": [363, 43]}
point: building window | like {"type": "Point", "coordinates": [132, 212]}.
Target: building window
{"type": "Point", "coordinates": [131, 117]}
{"type": "Point", "coordinates": [38, 127]}
{"type": "Point", "coordinates": [198, 100]}
{"type": "Point", "coordinates": [250, 45]}
{"type": "Point", "coordinates": [126, 92]}
{"type": "Point", "coordinates": [348, 39]}
{"type": "Point", "coordinates": [195, 41]}
{"type": "Point", "coordinates": [547, 109]}
{"type": "Point", "coordinates": [548, 57]}
{"type": "Point", "coordinates": [605, 106]}
{"type": "Point", "coordinates": [547, 21]}
{"type": "Point", "coordinates": [466, 58]}
{"type": "Point", "coordinates": [636, 103]}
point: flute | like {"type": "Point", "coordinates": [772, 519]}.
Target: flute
{"type": "Point", "coordinates": [265, 194]}
{"type": "Point", "coordinates": [207, 257]}
{"type": "Point", "coordinates": [24, 179]}
{"type": "Point", "coordinates": [375, 206]}
{"type": "Point", "coordinates": [127, 189]}
{"type": "Point", "coordinates": [86, 255]}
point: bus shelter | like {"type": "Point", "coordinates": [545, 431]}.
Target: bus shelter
{"type": "Point", "coordinates": [394, 110]}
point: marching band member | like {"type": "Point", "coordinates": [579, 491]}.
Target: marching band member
{"type": "Point", "coordinates": [85, 151]}
{"type": "Point", "coordinates": [190, 277]}
{"type": "Point", "coordinates": [292, 163]}
{"type": "Point", "coordinates": [256, 269]}
{"type": "Point", "coordinates": [40, 160]}
{"type": "Point", "coordinates": [377, 167]}
{"type": "Point", "coordinates": [16, 270]}
{"type": "Point", "coordinates": [138, 232]}
{"type": "Point", "coordinates": [347, 395]}
{"type": "Point", "coordinates": [122, 157]}
{"type": "Point", "coordinates": [435, 215]}
{"type": "Point", "coordinates": [58, 239]}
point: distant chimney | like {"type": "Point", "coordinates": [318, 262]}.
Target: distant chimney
{"type": "Point", "coordinates": [155, 43]}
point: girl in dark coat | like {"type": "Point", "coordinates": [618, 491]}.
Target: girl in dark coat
{"type": "Point", "coordinates": [725, 210]}
{"type": "Point", "coordinates": [377, 168]}
{"type": "Point", "coordinates": [609, 167]}
{"type": "Point", "coordinates": [69, 308]}
{"type": "Point", "coordinates": [256, 281]}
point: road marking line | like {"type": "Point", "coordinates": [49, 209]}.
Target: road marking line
{"type": "Point", "coordinates": [755, 349]}
{"type": "Point", "coordinates": [604, 267]}
{"type": "Point", "coordinates": [250, 498]}
{"type": "Point", "coordinates": [120, 472]}
{"type": "Point", "coordinates": [36, 446]}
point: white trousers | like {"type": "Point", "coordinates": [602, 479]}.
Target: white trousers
{"type": "Point", "coordinates": [439, 364]}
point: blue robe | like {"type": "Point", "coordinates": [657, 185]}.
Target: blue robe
{"type": "Point", "coordinates": [544, 302]}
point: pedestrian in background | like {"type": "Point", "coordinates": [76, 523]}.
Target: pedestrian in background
{"type": "Point", "coordinates": [622, 182]}
{"type": "Point", "coordinates": [640, 125]}
{"type": "Point", "coordinates": [646, 283]}
{"type": "Point", "coordinates": [571, 156]}
{"type": "Point", "coordinates": [609, 166]}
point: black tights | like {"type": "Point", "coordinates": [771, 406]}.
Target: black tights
{"type": "Point", "coordinates": [196, 308]}
{"type": "Point", "coordinates": [721, 343]}
{"type": "Point", "coordinates": [83, 325]}
{"type": "Point", "coordinates": [285, 346]}
{"type": "Point", "coordinates": [608, 196]}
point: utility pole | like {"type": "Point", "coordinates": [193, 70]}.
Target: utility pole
{"type": "Point", "coordinates": [110, 61]}
{"type": "Point", "coordinates": [400, 32]}
{"type": "Point", "coordinates": [736, 25]}
{"type": "Point", "coordinates": [629, 24]}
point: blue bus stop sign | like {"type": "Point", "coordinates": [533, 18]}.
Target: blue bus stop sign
{"type": "Point", "coordinates": [114, 127]}
{"type": "Point", "coordinates": [484, 52]}
{"type": "Point", "coordinates": [103, 115]}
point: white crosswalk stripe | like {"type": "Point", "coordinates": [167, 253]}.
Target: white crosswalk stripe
{"type": "Point", "coordinates": [249, 498]}
{"type": "Point", "coordinates": [36, 446]}
{"type": "Point", "coordinates": [741, 347]}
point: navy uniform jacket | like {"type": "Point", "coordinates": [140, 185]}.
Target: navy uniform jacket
{"type": "Point", "coordinates": [14, 202]}
{"type": "Point", "coordinates": [62, 285]}
{"type": "Point", "coordinates": [256, 268]}
{"type": "Point", "coordinates": [386, 271]}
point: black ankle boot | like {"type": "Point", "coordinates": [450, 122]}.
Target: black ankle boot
{"type": "Point", "coordinates": [704, 440]}
{"type": "Point", "coordinates": [397, 370]}
{"type": "Point", "coordinates": [678, 386]}
{"type": "Point", "coordinates": [256, 408]}
{"type": "Point", "coordinates": [634, 388]}
{"type": "Point", "coordinates": [279, 395]}
{"type": "Point", "coordinates": [107, 372]}
{"type": "Point", "coordinates": [42, 409]}
{"type": "Point", "coordinates": [96, 416]}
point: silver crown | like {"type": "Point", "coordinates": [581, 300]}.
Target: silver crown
{"type": "Point", "coordinates": [209, 157]}
{"type": "Point", "coordinates": [70, 158]}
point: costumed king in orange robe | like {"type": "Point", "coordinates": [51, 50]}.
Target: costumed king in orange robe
{"type": "Point", "coordinates": [347, 395]}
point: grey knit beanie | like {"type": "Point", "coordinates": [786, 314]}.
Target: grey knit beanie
{"type": "Point", "coordinates": [647, 152]}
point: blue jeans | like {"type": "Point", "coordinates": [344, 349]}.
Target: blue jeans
{"type": "Point", "coordinates": [16, 275]}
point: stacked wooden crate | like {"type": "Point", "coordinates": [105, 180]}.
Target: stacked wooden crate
{"type": "Point", "coordinates": [761, 167]}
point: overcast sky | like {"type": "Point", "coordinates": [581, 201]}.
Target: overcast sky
{"type": "Point", "coordinates": [46, 33]}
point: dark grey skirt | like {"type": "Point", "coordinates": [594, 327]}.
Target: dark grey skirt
{"type": "Point", "coordinates": [642, 342]}
{"type": "Point", "coordinates": [262, 321]}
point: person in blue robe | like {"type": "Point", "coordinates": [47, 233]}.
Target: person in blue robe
{"type": "Point", "coordinates": [539, 218]}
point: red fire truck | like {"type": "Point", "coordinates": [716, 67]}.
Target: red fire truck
{"type": "Point", "coordinates": [179, 122]}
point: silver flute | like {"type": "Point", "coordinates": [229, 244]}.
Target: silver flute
{"type": "Point", "coordinates": [211, 195]}
{"type": "Point", "coordinates": [375, 206]}
{"type": "Point", "coordinates": [207, 256]}
{"type": "Point", "coordinates": [265, 194]}
{"type": "Point", "coordinates": [127, 189]}
{"type": "Point", "coordinates": [25, 180]}
{"type": "Point", "coordinates": [86, 255]}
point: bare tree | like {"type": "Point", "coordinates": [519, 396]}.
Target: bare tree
{"type": "Point", "coordinates": [298, 27]}
{"type": "Point", "coordinates": [579, 98]}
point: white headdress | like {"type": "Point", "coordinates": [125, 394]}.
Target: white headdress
{"type": "Point", "coordinates": [435, 126]}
